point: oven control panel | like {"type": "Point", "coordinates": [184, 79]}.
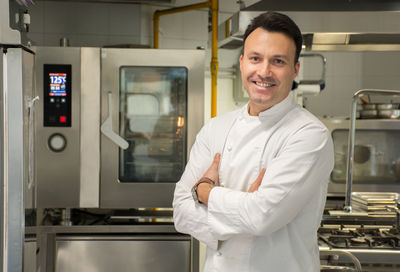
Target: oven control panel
{"type": "Point", "coordinates": [57, 95]}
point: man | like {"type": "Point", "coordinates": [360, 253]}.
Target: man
{"type": "Point", "coordinates": [259, 205]}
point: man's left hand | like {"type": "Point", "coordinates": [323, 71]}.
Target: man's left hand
{"type": "Point", "coordinates": [204, 189]}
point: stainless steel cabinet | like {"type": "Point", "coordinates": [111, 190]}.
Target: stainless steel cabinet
{"type": "Point", "coordinates": [135, 248]}
{"type": "Point", "coordinates": [122, 254]}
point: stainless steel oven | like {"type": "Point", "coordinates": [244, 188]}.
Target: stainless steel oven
{"type": "Point", "coordinates": [114, 126]}
{"type": "Point", "coordinates": [376, 165]}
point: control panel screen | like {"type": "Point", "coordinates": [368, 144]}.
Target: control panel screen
{"type": "Point", "coordinates": [58, 84]}
{"type": "Point", "coordinates": [57, 93]}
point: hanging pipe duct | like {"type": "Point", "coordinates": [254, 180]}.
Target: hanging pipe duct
{"type": "Point", "coordinates": [213, 5]}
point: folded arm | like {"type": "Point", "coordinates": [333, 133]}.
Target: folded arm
{"type": "Point", "coordinates": [292, 179]}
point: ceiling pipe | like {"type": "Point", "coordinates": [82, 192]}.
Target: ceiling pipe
{"type": "Point", "coordinates": [213, 6]}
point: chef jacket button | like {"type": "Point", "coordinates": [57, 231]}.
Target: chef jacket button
{"type": "Point", "coordinates": [219, 253]}
{"type": "Point", "coordinates": [229, 148]}
{"type": "Point", "coordinates": [222, 185]}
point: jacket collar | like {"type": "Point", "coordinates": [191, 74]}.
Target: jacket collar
{"type": "Point", "coordinates": [276, 112]}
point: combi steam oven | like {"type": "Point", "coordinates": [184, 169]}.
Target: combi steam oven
{"type": "Point", "coordinates": [114, 126]}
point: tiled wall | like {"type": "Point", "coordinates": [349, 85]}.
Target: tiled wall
{"type": "Point", "coordinates": [100, 24]}
{"type": "Point", "coordinates": [348, 72]}
{"type": "Point", "coordinates": [85, 24]}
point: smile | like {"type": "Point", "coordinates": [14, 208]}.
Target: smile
{"type": "Point", "coordinates": [264, 84]}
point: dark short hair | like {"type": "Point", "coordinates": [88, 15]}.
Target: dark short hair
{"type": "Point", "coordinates": [276, 22]}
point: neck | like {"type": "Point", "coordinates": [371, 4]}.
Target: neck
{"type": "Point", "coordinates": [255, 110]}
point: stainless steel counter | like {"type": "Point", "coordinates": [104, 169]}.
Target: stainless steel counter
{"type": "Point", "coordinates": [104, 248]}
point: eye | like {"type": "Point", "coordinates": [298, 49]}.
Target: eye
{"type": "Point", "coordinates": [254, 58]}
{"type": "Point", "coordinates": [279, 61]}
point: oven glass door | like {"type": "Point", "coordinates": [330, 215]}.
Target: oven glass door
{"type": "Point", "coordinates": [152, 121]}
{"type": "Point", "coordinates": [376, 156]}
{"type": "Point", "coordinates": [152, 107]}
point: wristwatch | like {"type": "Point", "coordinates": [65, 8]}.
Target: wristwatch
{"type": "Point", "coordinates": [194, 188]}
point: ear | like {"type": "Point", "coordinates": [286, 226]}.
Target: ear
{"type": "Point", "coordinates": [240, 61]}
{"type": "Point", "coordinates": [296, 68]}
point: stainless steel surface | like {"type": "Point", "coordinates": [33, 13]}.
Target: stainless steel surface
{"type": "Point", "coordinates": [77, 175]}
{"type": "Point", "coordinates": [389, 114]}
{"type": "Point", "coordinates": [7, 35]}
{"type": "Point", "coordinates": [376, 204]}
{"type": "Point", "coordinates": [335, 268]}
{"type": "Point", "coordinates": [107, 126]}
{"type": "Point", "coordinates": [380, 110]}
{"type": "Point", "coordinates": [59, 243]}
{"type": "Point", "coordinates": [322, 80]}
{"type": "Point", "coordinates": [99, 229]}
{"type": "Point", "coordinates": [353, 258]}
{"type": "Point", "coordinates": [58, 173]}
{"type": "Point", "coordinates": [30, 255]}
{"type": "Point", "coordinates": [30, 106]}
{"type": "Point", "coordinates": [376, 197]}
{"type": "Point", "coordinates": [326, 30]}
{"type": "Point", "coordinates": [14, 161]}
{"type": "Point", "coordinates": [375, 242]}
{"type": "Point", "coordinates": [162, 253]}
{"type": "Point", "coordinates": [368, 114]}
{"type": "Point", "coordinates": [64, 42]}
{"type": "Point", "coordinates": [389, 106]}
{"type": "Point", "coordinates": [396, 167]}
{"type": "Point", "coordinates": [371, 106]}
{"type": "Point", "coordinates": [115, 194]}
{"type": "Point", "coordinates": [370, 132]}
{"type": "Point", "coordinates": [90, 134]}
{"type": "Point", "coordinates": [350, 152]}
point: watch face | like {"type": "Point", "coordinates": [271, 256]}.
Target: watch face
{"type": "Point", "coordinates": [194, 194]}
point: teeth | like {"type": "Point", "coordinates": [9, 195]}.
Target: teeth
{"type": "Point", "coordinates": [261, 84]}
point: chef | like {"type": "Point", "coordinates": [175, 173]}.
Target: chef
{"type": "Point", "coordinates": [255, 185]}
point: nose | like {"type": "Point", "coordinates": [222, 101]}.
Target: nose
{"type": "Point", "coordinates": [265, 69]}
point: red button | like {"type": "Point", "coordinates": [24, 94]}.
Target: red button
{"type": "Point", "coordinates": [63, 119]}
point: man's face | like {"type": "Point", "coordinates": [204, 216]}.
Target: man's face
{"type": "Point", "coordinates": [268, 69]}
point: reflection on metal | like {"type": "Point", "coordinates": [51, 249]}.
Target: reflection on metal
{"type": "Point", "coordinates": [143, 247]}
{"type": "Point", "coordinates": [107, 127]}
{"type": "Point", "coordinates": [367, 177]}
{"type": "Point", "coordinates": [348, 254]}
{"type": "Point", "coordinates": [326, 30]}
{"type": "Point", "coordinates": [90, 134]}
{"type": "Point", "coordinates": [181, 122]}
{"type": "Point", "coordinates": [350, 151]}
{"type": "Point", "coordinates": [12, 159]}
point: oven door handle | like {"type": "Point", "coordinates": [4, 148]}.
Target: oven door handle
{"type": "Point", "coordinates": [31, 142]}
{"type": "Point", "coordinates": [106, 127]}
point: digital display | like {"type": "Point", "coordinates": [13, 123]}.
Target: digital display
{"type": "Point", "coordinates": [57, 95]}
{"type": "Point", "coordinates": [58, 84]}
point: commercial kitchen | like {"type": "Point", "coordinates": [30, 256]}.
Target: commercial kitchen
{"type": "Point", "coordinates": [101, 101]}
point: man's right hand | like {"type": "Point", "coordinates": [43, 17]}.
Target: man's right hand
{"type": "Point", "coordinates": [256, 184]}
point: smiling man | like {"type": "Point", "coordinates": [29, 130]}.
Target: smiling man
{"type": "Point", "coordinates": [255, 185]}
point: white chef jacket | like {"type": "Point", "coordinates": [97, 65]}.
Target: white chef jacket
{"type": "Point", "coordinates": [274, 228]}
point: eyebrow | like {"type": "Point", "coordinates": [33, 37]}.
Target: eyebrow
{"type": "Point", "coordinates": [281, 56]}
{"type": "Point", "coordinates": [275, 56]}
